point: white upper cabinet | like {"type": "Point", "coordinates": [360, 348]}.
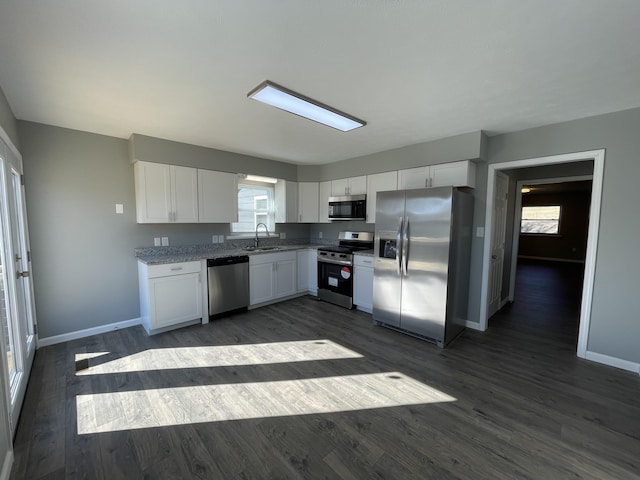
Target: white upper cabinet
{"type": "Point", "coordinates": [286, 201]}
{"type": "Point", "coordinates": [349, 186]}
{"type": "Point", "coordinates": [165, 193]}
{"type": "Point", "coordinates": [323, 198]}
{"type": "Point", "coordinates": [308, 195]}
{"type": "Point", "coordinates": [217, 197]}
{"type": "Point", "coordinates": [379, 182]}
{"type": "Point", "coordinates": [457, 174]}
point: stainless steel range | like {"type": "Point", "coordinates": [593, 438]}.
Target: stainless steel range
{"type": "Point", "coordinates": [335, 267]}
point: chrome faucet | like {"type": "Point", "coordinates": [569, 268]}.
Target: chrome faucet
{"type": "Point", "coordinates": [255, 243]}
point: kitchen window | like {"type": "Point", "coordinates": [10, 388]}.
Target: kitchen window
{"type": "Point", "coordinates": [541, 220]}
{"type": "Point", "coordinates": [255, 205]}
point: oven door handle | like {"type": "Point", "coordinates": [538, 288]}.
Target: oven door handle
{"type": "Point", "coordinates": [335, 262]}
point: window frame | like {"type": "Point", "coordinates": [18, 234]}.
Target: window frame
{"type": "Point", "coordinates": [235, 228]}
{"type": "Point", "coordinates": [541, 234]}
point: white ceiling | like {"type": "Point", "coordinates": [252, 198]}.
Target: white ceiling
{"type": "Point", "coordinates": [414, 70]}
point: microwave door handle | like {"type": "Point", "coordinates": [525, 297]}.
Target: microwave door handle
{"type": "Point", "coordinates": [405, 246]}
{"type": "Point", "coordinates": [399, 247]}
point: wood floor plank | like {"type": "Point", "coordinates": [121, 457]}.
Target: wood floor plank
{"type": "Point", "coordinates": [524, 405]}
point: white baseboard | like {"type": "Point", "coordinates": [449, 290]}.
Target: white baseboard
{"type": "Point", "coordinates": [551, 259]}
{"type": "Point", "coordinates": [613, 361]}
{"type": "Point", "coordinates": [6, 466]}
{"type": "Point", "coordinates": [65, 337]}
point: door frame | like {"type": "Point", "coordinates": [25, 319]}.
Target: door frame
{"type": "Point", "coordinates": [518, 217]}
{"type": "Point", "coordinates": [598, 157]}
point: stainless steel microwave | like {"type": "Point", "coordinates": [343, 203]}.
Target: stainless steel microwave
{"type": "Point", "coordinates": [348, 207]}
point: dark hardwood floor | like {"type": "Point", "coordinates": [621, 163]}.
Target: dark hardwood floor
{"type": "Point", "coordinates": [520, 403]}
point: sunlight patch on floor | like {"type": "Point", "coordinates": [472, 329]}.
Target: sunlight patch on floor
{"type": "Point", "coordinates": [108, 412]}
{"type": "Point", "coordinates": [223, 356]}
{"type": "Point", "coordinates": [88, 356]}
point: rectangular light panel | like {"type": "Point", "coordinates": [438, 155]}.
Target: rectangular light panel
{"type": "Point", "coordinates": [285, 99]}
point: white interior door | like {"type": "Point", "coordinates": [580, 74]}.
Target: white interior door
{"type": "Point", "coordinates": [498, 235]}
{"type": "Point", "coordinates": [17, 304]}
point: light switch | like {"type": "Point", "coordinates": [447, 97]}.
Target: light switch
{"type": "Point", "coordinates": [165, 241]}
{"type": "Point", "coordinates": [479, 231]}
{"type": "Point", "coordinates": [214, 238]}
{"type": "Point", "coordinates": [156, 242]}
{"type": "Point", "coordinates": [119, 208]}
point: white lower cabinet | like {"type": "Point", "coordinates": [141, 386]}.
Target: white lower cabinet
{"type": "Point", "coordinates": [308, 271]}
{"type": "Point", "coordinates": [363, 282]}
{"type": "Point", "coordinates": [170, 295]}
{"type": "Point", "coordinates": [272, 276]}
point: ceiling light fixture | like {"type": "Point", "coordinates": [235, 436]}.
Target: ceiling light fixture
{"type": "Point", "coordinates": [258, 178]}
{"type": "Point", "coordinates": [285, 99]}
{"type": "Point", "coordinates": [525, 190]}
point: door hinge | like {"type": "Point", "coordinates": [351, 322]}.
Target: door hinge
{"type": "Point", "coordinates": [28, 255]}
{"type": "Point", "coordinates": [35, 328]}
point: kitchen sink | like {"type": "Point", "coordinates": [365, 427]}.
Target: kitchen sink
{"type": "Point", "coordinates": [261, 249]}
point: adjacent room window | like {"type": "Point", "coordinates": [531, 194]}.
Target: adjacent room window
{"type": "Point", "coordinates": [543, 220]}
{"type": "Point", "coordinates": [255, 204]}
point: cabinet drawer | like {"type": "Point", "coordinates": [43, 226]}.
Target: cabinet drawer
{"type": "Point", "coordinates": [363, 261]}
{"type": "Point", "coordinates": [168, 269]}
{"type": "Point", "coordinates": [261, 258]}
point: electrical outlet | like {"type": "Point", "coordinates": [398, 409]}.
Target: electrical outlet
{"type": "Point", "coordinates": [283, 235]}
{"type": "Point", "coordinates": [119, 208]}
{"type": "Point", "coordinates": [156, 242]}
{"type": "Point", "coordinates": [214, 238]}
{"type": "Point", "coordinates": [319, 234]}
{"type": "Point", "coordinates": [480, 232]}
{"type": "Point", "coordinates": [165, 241]}
{"type": "Point", "coordinates": [220, 238]}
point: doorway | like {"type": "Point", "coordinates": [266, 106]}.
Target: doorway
{"type": "Point", "coordinates": [17, 311]}
{"type": "Point", "coordinates": [597, 157]}
{"type": "Point", "coordinates": [547, 253]}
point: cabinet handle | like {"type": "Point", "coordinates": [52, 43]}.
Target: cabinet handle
{"type": "Point", "coordinates": [176, 268]}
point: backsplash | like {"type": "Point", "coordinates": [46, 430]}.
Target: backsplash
{"type": "Point", "coordinates": [238, 244]}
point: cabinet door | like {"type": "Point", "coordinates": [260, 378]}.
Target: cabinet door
{"type": "Point", "coordinates": [323, 199]}
{"type": "Point", "coordinates": [153, 192]}
{"type": "Point", "coordinates": [286, 282]}
{"type": "Point", "coordinates": [308, 195]}
{"type": "Point", "coordinates": [286, 201]}
{"type": "Point", "coordinates": [363, 287]}
{"type": "Point", "coordinates": [313, 271]}
{"type": "Point", "coordinates": [303, 270]}
{"type": "Point", "coordinates": [358, 185]}
{"type": "Point", "coordinates": [184, 194]}
{"type": "Point", "coordinates": [380, 182]}
{"type": "Point", "coordinates": [217, 197]}
{"type": "Point", "coordinates": [457, 174]}
{"type": "Point", "coordinates": [413, 178]}
{"type": "Point", "coordinates": [174, 299]}
{"type": "Point", "coordinates": [261, 283]}
{"type": "Point", "coordinates": [340, 187]}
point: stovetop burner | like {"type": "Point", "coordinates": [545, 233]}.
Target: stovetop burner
{"type": "Point", "coordinates": [351, 242]}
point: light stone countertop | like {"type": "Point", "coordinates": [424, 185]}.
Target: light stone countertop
{"type": "Point", "coordinates": [364, 253]}
{"type": "Point", "coordinates": [220, 253]}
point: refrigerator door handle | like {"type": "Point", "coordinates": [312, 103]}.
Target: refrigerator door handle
{"type": "Point", "coordinates": [405, 246]}
{"type": "Point", "coordinates": [399, 246]}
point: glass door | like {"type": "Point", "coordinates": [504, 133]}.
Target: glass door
{"type": "Point", "coordinates": [16, 288]}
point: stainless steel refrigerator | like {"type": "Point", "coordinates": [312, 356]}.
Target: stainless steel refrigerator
{"type": "Point", "coordinates": [421, 271]}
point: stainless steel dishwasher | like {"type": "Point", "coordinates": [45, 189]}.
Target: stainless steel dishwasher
{"type": "Point", "coordinates": [228, 281]}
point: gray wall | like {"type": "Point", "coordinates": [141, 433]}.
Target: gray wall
{"type": "Point", "coordinates": [614, 317]}
{"type": "Point", "coordinates": [85, 274]}
{"type": "Point", "coordinates": [8, 121]}
{"type": "Point", "coordinates": [468, 146]}
{"type": "Point", "coordinates": [150, 149]}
